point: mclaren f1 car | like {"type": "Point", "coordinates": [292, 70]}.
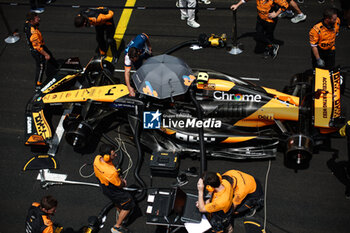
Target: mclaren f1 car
{"type": "Point", "coordinates": [238, 119]}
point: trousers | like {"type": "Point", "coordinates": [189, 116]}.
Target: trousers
{"type": "Point", "coordinates": [189, 13]}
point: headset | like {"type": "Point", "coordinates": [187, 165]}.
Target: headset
{"type": "Point", "coordinates": [210, 188]}
{"type": "Point", "coordinates": [105, 150]}
{"type": "Point", "coordinates": [107, 158]}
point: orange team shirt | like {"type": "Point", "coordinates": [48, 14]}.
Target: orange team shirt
{"type": "Point", "coordinates": [106, 172]}
{"type": "Point", "coordinates": [221, 200]}
{"type": "Point", "coordinates": [36, 39]}
{"type": "Point", "coordinates": [101, 18]}
{"type": "Point", "coordinates": [243, 184]}
{"type": "Point", "coordinates": [46, 220]}
{"type": "Point", "coordinates": [264, 7]}
{"type": "Point", "coordinates": [49, 224]}
{"type": "Point", "coordinates": [323, 37]}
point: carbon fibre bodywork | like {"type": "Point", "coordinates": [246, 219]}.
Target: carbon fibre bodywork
{"type": "Point", "coordinates": [240, 119]}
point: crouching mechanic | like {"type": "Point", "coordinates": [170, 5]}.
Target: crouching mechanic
{"type": "Point", "coordinates": [39, 216]}
{"type": "Point", "coordinates": [112, 185]}
{"type": "Point", "coordinates": [219, 206]}
{"type": "Point", "coordinates": [102, 19]}
{"type": "Point", "coordinates": [248, 195]}
{"type": "Point", "coordinates": [138, 50]}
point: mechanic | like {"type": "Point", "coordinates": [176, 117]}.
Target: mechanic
{"type": "Point", "coordinates": [138, 50]}
{"type": "Point", "coordinates": [102, 19]}
{"type": "Point", "coordinates": [322, 40]}
{"type": "Point", "coordinates": [38, 50]}
{"type": "Point", "coordinates": [293, 6]}
{"type": "Point", "coordinates": [112, 185]}
{"type": "Point", "coordinates": [39, 216]}
{"type": "Point", "coordinates": [219, 206]}
{"type": "Point", "coordinates": [248, 195]}
{"type": "Point", "coordinates": [268, 12]}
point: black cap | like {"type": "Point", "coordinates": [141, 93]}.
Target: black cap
{"type": "Point", "coordinates": [106, 149]}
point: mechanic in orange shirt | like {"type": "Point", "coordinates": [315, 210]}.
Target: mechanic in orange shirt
{"type": "Point", "coordinates": [112, 185]}
{"type": "Point", "coordinates": [39, 216]}
{"type": "Point", "coordinates": [102, 19]}
{"type": "Point", "coordinates": [248, 195]}
{"type": "Point", "coordinates": [322, 40]}
{"type": "Point", "coordinates": [219, 206]}
{"type": "Point", "coordinates": [38, 50]}
{"type": "Point", "coordinates": [268, 12]}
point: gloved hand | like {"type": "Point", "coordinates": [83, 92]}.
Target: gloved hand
{"type": "Point", "coordinates": [320, 62]}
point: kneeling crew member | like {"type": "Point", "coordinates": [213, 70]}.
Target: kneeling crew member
{"type": "Point", "coordinates": [248, 194]}
{"type": "Point", "coordinates": [112, 185]}
{"type": "Point", "coordinates": [39, 216]}
{"type": "Point", "coordinates": [220, 204]}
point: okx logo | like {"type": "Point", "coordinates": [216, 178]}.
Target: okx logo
{"type": "Point", "coordinates": [151, 120]}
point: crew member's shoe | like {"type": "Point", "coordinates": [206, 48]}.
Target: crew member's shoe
{"type": "Point", "coordinates": [274, 52]}
{"type": "Point", "coordinates": [298, 18]}
{"type": "Point", "coordinates": [206, 2]}
{"type": "Point", "coordinates": [120, 229]}
{"type": "Point", "coordinates": [38, 10]}
{"type": "Point", "coordinates": [193, 24]}
{"type": "Point", "coordinates": [286, 14]}
{"type": "Point", "coordinates": [251, 212]}
{"type": "Point", "coordinates": [37, 88]}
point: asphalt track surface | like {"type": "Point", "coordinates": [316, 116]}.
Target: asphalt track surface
{"type": "Point", "coordinates": [307, 201]}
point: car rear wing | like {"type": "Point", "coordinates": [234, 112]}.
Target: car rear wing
{"type": "Point", "coordinates": [327, 109]}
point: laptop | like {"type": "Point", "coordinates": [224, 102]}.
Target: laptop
{"type": "Point", "coordinates": [163, 203]}
{"type": "Point", "coordinates": [185, 206]}
{"type": "Point", "coordinates": [190, 212]}
{"type": "Point", "coordinates": [178, 202]}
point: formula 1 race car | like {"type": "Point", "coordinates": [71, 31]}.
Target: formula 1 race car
{"type": "Point", "coordinates": [178, 105]}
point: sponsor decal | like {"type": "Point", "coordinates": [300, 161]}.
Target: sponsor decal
{"type": "Point", "coordinates": [52, 85]}
{"type": "Point", "coordinates": [122, 105]}
{"type": "Point", "coordinates": [209, 86]}
{"type": "Point", "coordinates": [41, 125]}
{"type": "Point", "coordinates": [29, 125]}
{"type": "Point", "coordinates": [266, 117]}
{"type": "Point", "coordinates": [72, 62]}
{"type": "Point", "coordinates": [191, 138]}
{"type": "Point", "coordinates": [324, 98]}
{"type": "Point", "coordinates": [188, 79]}
{"type": "Point", "coordinates": [148, 90]}
{"type": "Point", "coordinates": [48, 85]}
{"type": "Point", "coordinates": [191, 123]}
{"type": "Point", "coordinates": [221, 95]}
{"type": "Point", "coordinates": [336, 81]}
{"type": "Point", "coordinates": [151, 120]}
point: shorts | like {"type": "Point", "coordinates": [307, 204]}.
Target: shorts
{"type": "Point", "coordinates": [121, 198]}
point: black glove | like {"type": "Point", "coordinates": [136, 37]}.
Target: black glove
{"type": "Point", "coordinates": [320, 62]}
